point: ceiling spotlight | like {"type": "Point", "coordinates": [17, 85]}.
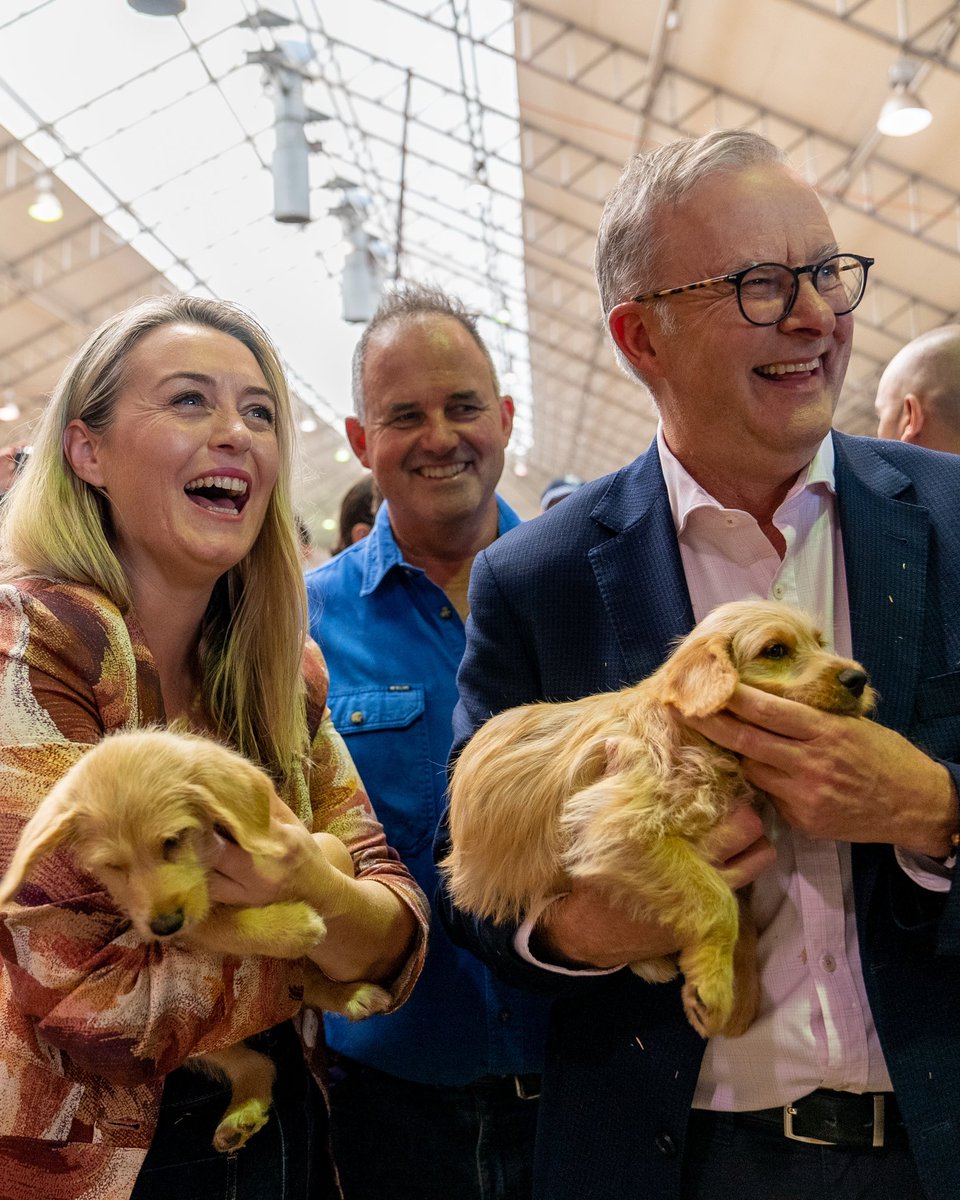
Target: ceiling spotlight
{"type": "Point", "coordinates": [158, 8]}
{"type": "Point", "coordinates": [903, 111]}
{"type": "Point", "coordinates": [45, 207]}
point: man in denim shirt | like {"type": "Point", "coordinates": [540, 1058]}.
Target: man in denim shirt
{"type": "Point", "coordinates": [438, 1099]}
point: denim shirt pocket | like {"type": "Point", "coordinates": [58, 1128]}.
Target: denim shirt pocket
{"type": "Point", "coordinates": [385, 731]}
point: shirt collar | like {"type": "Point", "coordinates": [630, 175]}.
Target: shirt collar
{"type": "Point", "coordinates": [381, 553]}
{"type": "Point", "coordinates": [686, 495]}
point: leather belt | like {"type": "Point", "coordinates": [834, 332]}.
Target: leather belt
{"type": "Point", "coordinates": [827, 1118]}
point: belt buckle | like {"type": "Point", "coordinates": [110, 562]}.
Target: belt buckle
{"type": "Point", "coordinates": [520, 1086]}
{"type": "Point", "coordinates": [878, 1118]}
{"type": "Point", "coordinates": [789, 1112]}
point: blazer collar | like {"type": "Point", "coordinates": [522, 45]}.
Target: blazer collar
{"type": "Point", "coordinates": [637, 568]}
{"type": "Point", "coordinates": [642, 586]}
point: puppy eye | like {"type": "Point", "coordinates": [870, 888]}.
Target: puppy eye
{"type": "Point", "coordinates": [775, 650]}
{"type": "Point", "coordinates": [171, 844]}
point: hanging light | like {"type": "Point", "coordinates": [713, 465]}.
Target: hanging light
{"type": "Point", "coordinates": [903, 112]}
{"type": "Point", "coordinates": [45, 207]}
{"type": "Point", "coordinates": [158, 8]}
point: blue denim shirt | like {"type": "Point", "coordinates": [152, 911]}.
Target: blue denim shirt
{"type": "Point", "coordinates": [393, 643]}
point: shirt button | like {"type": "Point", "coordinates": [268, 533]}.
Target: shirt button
{"type": "Point", "coordinates": [446, 612]}
{"type": "Point", "coordinates": [829, 963]}
{"type": "Point", "coordinates": [356, 718]}
{"type": "Point", "coordinates": [778, 591]}
{"type": "Point", "coordinates": [665, 1144]}
{"type": "Point", "coordinates": [505, 1014]}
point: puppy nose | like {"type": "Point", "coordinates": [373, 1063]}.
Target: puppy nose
{"type": "Point", "coordinates": [166, 923]}
{"type": "Point", "coordinates": [853, 680]}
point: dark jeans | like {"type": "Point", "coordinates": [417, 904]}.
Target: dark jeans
{"type": "Point", "coordinates": [395, 1140]}
{"type": "Point", "coordinates": [727, 1160]}
{"type": "Point", "coordinates": [286, 1160]}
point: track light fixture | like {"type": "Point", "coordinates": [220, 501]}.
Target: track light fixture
{"type": "Point", "coordinates": [903, 112]}
{"type": "Point", "coordinates": [46, 207]}
{"type": "Point", "coordinates": [158, 8]}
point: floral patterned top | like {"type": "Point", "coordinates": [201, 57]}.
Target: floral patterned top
{"type": "Point", "coordinates": [91, 1019]}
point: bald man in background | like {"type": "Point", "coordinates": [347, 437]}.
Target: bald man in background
{"type": "Point", "coordinates": [918, 398]}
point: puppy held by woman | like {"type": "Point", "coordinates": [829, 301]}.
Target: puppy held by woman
{"type": "Point", "coordinates": [151, 575]}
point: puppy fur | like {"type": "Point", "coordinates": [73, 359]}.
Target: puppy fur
{"type": "Point", "coordinates": [139, 811]}
{"type": "Point", "coordinates": [616, 789]}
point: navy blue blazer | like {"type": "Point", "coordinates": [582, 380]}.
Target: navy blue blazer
{"type": "Point", "coordinates": [589, 597]}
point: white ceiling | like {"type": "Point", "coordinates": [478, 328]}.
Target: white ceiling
{"type": "Point", "coordinates": [484, 136]}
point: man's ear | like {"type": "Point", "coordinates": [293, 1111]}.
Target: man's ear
{"type": "Point", "coordinates": [631, 332]}
{"type": "Point", "coordinates": [357, 437]}
{"type": "Point", "coordinates": [912, 417]}
{"type": "Point", "coordinates": [82, 450]}
{"type": "Point", "coordinates": [359, 530]}
{"type": "Point", "coordinates": [506, 417]}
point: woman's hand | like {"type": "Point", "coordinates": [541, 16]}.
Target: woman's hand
{"type": "Point", "coordinates": [305, 866]}
{"type": "Point", "coordinates": [365, 920]}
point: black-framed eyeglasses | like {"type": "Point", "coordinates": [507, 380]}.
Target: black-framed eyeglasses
{"type": "Point", "coordinates": [767, 292]}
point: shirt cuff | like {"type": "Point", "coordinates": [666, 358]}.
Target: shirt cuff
{"type": "Point", "coordinates": [521, 943]}
{"type": "Point", "coordinates": [933, 874]}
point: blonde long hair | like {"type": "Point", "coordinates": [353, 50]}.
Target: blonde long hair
{"type": "Point", "coordinates": [54, 525]}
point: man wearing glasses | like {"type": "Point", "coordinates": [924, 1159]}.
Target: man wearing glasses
{"type": "Point", "coordinates": [727, 296]}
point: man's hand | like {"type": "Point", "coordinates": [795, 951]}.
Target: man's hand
{"type": "Point", "coordinates": [835, 776]}
{"type": "Point", "coordinates": [584, 929]}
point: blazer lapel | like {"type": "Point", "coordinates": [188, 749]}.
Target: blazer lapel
{"type": "Point", "coordinates": [638, 569]}
{"type": "Point", "coordinates": [885, 552]}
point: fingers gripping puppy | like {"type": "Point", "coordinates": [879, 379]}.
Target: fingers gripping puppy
{"type": "Point", "coordinates": [616, 789]}
{"type": "Point", "coordinates": [141, 812]}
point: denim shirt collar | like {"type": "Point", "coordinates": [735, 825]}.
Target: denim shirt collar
{"type": "Point", "coordinates": [381, 554]}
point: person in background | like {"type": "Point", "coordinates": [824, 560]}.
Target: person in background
{"type": "Point", "coordinates": [310, 555]}
{"type": "Point", "coordinates": [918, 397]}
{"type": "Point", "coordinates": [558, 490]}
{"type": "Point", "coordinates": [150, 574]}
{"type": "Point", "coordinates": [450, 1080]}
{"type": "Point", "coordinates": [12, 458]}
{"type": "Point", "coordinates": [727, 296]}
{"type": "Point", "coordinates": [357, 510]}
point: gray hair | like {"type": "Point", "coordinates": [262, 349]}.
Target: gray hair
{"type": "Point", "coordinates": [631, 237]}
{"type": "Point", "coordinates": [409, 303]}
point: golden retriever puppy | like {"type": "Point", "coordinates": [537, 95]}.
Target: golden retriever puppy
{"type": "Point", "coordinates": [140, 811]}
{"type": "Point", "coordinates": [616, 789]}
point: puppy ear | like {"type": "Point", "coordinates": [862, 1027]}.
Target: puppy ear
{"type": "Point", "coordinates": [236, 795]}
{"type": "Point", "coordinates": [54, 823]}
{"type": "Point", "coordinates": [699, 677]}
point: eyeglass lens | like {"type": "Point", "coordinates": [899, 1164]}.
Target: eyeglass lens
{"type": "Point", "coordinates": [767, 292]}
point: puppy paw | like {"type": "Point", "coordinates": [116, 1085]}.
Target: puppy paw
{"type": "Point", "coordinates": [707, 1010]}
{"type": "Point", "coordinates": [240, 1124]}
{"type": "Point", "coordinates": [353, 1000]}
{"type": "Point", "coordinates": [288, 930]}
{"type": "Point", "coordinates": [365, 1001]}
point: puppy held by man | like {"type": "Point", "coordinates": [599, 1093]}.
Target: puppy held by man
{"type": "Point", "coordinates": [617, 789]}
